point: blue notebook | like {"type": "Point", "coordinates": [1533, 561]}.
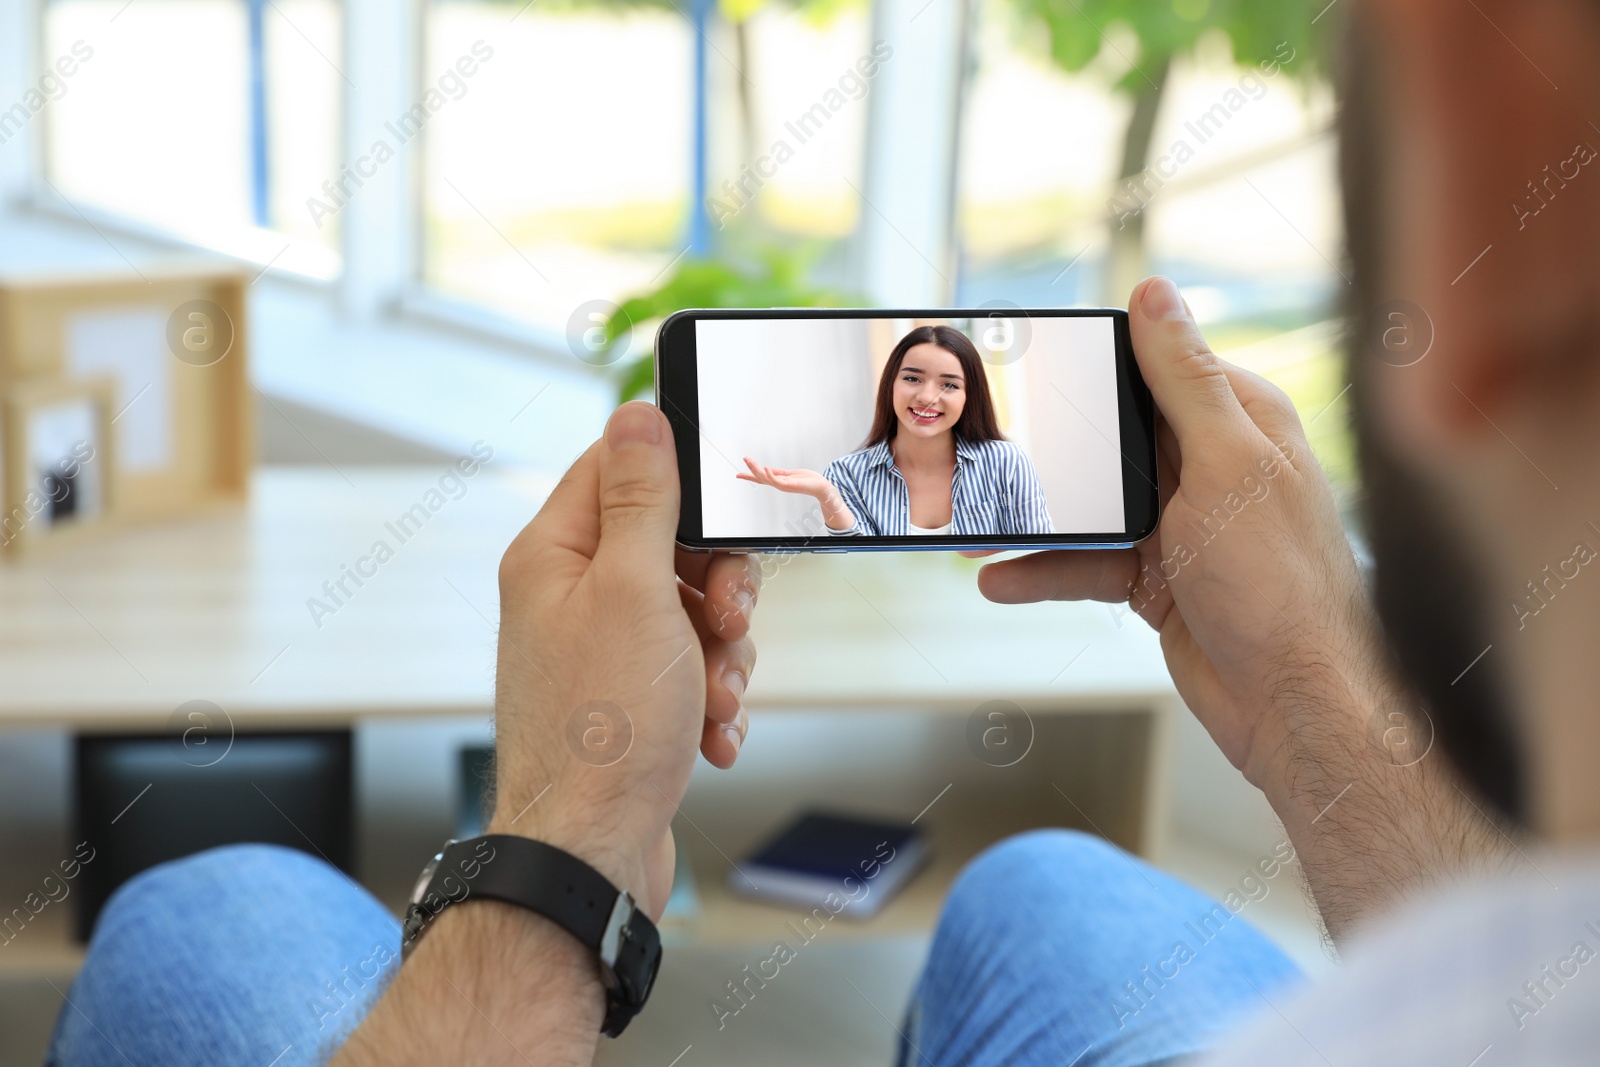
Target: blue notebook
{"type": "Point", "coordinates": [847, 865]}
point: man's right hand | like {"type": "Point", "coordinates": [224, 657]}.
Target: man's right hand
{"type": "Point", "coordinates": [1267, 628]}
{"type": "Point", "coordinates": [1249, 578]}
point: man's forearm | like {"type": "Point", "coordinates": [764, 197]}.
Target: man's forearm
{"type": "Point", "coordinates": [1372, 806]}
{"type": "Point", "coordinates": [491, 984]}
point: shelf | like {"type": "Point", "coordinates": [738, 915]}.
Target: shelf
{"type": "Point", "coordinates": [44, 947]}
{"type": "Point", "coordinates": [1091, 773]}
{"type": "Point", "coordinates": [729, 919]}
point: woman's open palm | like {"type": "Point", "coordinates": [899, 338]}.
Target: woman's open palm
{"type": "Point", "coordinates": [807, 483]}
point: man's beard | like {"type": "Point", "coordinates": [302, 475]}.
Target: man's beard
{"type": "Point", "coordinates": [1430, 597]}
{"type": "Point", "coordinates": [1429, 585]}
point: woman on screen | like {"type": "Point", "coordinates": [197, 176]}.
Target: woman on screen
{"type": "Point", "coordinates": [935, 461]}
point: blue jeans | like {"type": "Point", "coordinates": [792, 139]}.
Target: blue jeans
{"type": "Point", "coordinates": [1053, 945]}
{"type": "Point", "coordinates": [1056, 947]}
{"type": "Point", "coordinates": [250, 954]}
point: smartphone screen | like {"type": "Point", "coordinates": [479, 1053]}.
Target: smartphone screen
{"type": "Point", "coordinates": [835, 430]}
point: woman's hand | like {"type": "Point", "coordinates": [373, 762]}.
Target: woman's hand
{"type": "Point", "coordinates": [803, 482]}
{"type": "Point", "coordinates": [835, 512]}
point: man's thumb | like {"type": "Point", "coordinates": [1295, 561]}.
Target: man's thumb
{"type": "Point", "coordinates": [1188, 381]}
{"type": "Point", "coordinates": [638, 489]}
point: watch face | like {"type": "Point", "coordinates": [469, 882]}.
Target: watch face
{"type": "Point", "coordinates": [421, 888]}
{"type": "Point", "coordinates": [647, 945]}
{"type": "Point", "coordinates": [650, 977]}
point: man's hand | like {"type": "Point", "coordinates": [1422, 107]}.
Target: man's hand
{"type": "Point", "coordinates": [1267, 628]}
{"type": "Point", "coordinates": [619, 660]}
{"type": "Point", "coordinates": [1249, 574]}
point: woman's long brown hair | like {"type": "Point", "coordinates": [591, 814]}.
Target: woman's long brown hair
{"type": "Point", "coordinates": [977, 422]}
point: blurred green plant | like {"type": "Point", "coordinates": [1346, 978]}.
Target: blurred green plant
{"type": "Point", "coordinates": [772, 275]}
{"type": "Point", "coordinates": [749, 267]}
{"type": "Point", "coordinates": [1078, 31]}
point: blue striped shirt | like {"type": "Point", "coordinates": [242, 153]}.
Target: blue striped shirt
{"type": "Point", "coordinates": [994, 492]}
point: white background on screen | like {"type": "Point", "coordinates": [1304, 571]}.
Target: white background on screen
{"type": "Point", "coordinates": [799, 393]}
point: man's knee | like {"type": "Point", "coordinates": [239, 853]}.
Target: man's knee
{"type": "Point", "coordinates": [249, 945]}
{"type": "Point", "coordinates": [214, 880]}
{"type": "Point", "coordinates": [1043, 884]}
{"type": "Point", "coordinates": [1058, 865]}
{"type": "Point", "coordinates": [1039, 898]}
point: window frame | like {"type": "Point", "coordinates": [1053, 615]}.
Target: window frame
{"type": "Point", "coordinates": [377, 270]}
{"type": "Point", "coordinates": [262, 246]}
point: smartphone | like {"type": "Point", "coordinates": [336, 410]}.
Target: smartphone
{"type": "Point", "coordinates": [832, 430]}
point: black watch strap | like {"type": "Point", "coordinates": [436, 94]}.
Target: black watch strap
{"type": "Point", "coordinates": [561, 887]}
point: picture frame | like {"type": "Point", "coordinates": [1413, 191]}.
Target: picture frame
{"type": "Point", "coordinates": [57, 462]}
{"type": "Point", "coordinates": [175, 341]}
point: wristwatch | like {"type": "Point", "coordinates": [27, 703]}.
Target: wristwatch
{"type": "Point", "coordinates": [562, 888]}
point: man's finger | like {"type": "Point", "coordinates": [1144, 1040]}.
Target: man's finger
{"type": "Point", "coordinates": [1266, 405]}
{"type": "Point", "coordinates": [732, 584]}
{"type": "Point", "coordinates": [638, 492]}
{"type": "Point", "coordinates": [1097, 575]}
{"type": "Point", "coordinates": [1188, 381]}
{"type": "Point", "coordinates": [730, 581]}
{"type": "Point", "coordinates": [720, 742]}
{"type": "Point", "coordinates": [728, 664]}
{"type": "Point", "coordinates": [566, 531]}
{"type": "Point", "coordinates": [728, 670]}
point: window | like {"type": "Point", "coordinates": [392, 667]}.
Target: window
{"type": "Point", "coordinates": [1239, 200]}
{"type": "Point", "coordinates": [803, 159]}
{"type": "Point", "coordinates": [562, 174]}
{"type": "Point", "coordinates": [566, 173]}
{"type": "Point", "coordinates": [161, 121]}
{"type": "Point", "coordinates": [1038, 153]}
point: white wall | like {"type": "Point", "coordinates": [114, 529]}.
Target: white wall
{"type": "Point", "coordinates": [793, 393]}
{"type": "Point", "coordinates": [1072, 426]}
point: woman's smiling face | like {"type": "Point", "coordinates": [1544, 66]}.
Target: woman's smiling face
{"type": "Point", "coordinates": [929, 391]}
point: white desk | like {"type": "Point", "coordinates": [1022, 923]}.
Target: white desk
{"type": "Point", "coordinates": [117, 634]}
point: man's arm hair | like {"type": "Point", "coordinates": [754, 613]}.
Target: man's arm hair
{"type": "Point", "coordinates": [490, 983]}
{"type": "Point", "coordinates": [1374, 809]}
